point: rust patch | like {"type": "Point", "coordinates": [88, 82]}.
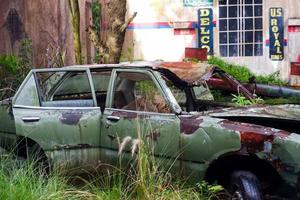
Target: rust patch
{"type": "Point", "coordinates": [252, 128]}
{"type": "Point", "coordinates": [253, 137]}
{"type": "Point", "coordinates": [70, 118]}
{"type": "Point", "coordinates": [185, 65]}
{"type": "Point", "coordinates": [188, 125]}
{"type": "Point", "coordinates": [188, 71]}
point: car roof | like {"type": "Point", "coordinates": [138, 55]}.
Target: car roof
{"type": "Point", "coordinates": [188, 72]}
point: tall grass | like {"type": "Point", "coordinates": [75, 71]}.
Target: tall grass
{"type": "Point", "coordinates": [145, 179]}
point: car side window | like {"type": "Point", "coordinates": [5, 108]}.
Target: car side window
{"type": "Point", "coordinates": [64, 89]}
{"type": "Point", "coordinates": [138, 92]}
{"type": "Point", "coordinates": [28, 95]}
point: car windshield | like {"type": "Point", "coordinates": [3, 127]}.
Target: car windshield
{"type": "Point", "coordinates": [185, 96]}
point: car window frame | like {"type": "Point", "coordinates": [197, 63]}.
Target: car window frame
{"type": "Point", "coordinates": [34, 71]}
{"type": "Point", "coordinates": [159, 83]}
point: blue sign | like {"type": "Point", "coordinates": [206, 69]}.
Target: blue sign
{"type": "Point", "coordinates": [276, 34]}
{"type": "Point", "coordinates": [206, 30]}
{"type": "Point", "coordinates": [197, 3]}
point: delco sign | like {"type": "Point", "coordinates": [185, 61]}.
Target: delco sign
{"type": "Point", "coordinates": [205, 30]}
{"type": "Point", "coordinates": [276, 34]}
{"type": "Point", "coordinates": [197, 3]}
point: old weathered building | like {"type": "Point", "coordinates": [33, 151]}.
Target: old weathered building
{"type": "Point", "coordinates": [47, 23]}
{"type": "Point", "coordinates": [260, 34]}
{"type": "Point", "coordinates": [264, 35]}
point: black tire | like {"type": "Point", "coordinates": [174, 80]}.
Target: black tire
{"type": "Point", "coordinates": [245, 186]}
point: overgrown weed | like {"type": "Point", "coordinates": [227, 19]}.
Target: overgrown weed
{"type": "Point", "coordinates": [144, 178]}
{"type": "Point", "coordinates": [243, 74]}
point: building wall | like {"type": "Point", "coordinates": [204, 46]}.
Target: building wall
{"type": "Point", "coordinates": [156, 33]}
{"type": "Point", "coordinates": [161, 31]}
{"type": "Point", "coordinates": [47, 23]}
{"type": "Point", "coordinates": [263, 64]}
{"type": "Point", "coordinates": [151, 34]}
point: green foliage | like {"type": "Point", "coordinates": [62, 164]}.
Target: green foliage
{"type": "Point", "coordinates": [96, 18]}
{"type": "Point", "coordinates": [14, 69]}
{"type": "Point", "coordinates": [272, 79]}
{"type": "Point", "coordinates": [96, 15]}
{"type": "Point", "coordinates": [9, 63]}
{"type": "Point", "coordinates": [243, 74]}
{"type": "Point", "coordinates": [209, 190]}
{"type": "Point", "coordinates": [25, 58]}
{"type": "Point", "coordinates": [258, 100]}
{"type": "Point", "coordinates": [19, 181]}
{"type": "Point", "coordinates": [218, 95]}
{"type": "Point", "coordinates": [147, 88]}
{"type": "Point", "coordinates": [241, 100]}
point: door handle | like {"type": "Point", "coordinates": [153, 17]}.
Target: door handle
{"type": "Point", "coordinates": [30, 119]}
{"type": "Point", "coordinates": [113, 118]}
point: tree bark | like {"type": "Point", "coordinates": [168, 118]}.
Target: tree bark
{"type": "Point", "coordinates": [110, 46]}
{"type": "Point", "coordinates": [75, 19]}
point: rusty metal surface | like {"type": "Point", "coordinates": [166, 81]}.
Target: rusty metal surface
{"type": "Point", "coordinates": [189, 72]}
{"type": "Point", "coordinates": [233, 84]}
{"type": "Point", "coordinates": [276, 112]}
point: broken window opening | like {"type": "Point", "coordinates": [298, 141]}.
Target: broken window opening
{"type": "Point", "coordinates": [138, 92]}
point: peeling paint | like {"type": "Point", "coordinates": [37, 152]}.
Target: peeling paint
{"type": "Point", "coordinates": [254, 137]}
{"type": "Point", "coordinates": [70, 118]}
{"type": "Point", "coordinates": [189, 124]}
{"type": "Point", "coordinates": [188, 71]}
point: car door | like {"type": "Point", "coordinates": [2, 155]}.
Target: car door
{"type": "Point", "coordinates": [57, 110]}
{"type": "Point", "coordinates": [138, 109]}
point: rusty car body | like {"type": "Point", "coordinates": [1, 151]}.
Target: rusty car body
{"type": "Point", "coordinates": [77, 116]}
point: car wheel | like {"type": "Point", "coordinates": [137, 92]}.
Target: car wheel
{"type": "Point", "coordinates": [245, 186]}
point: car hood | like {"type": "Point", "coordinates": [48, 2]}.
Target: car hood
{"type": "Point", "coordinates": [285, 117]}
{"type": "Point", "coordinates": [277, 112]}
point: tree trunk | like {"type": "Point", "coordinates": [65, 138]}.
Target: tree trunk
{"type": "Point", "coordinates": [75, 19]}
{"type": "Point", "coordinates": [111, 43]}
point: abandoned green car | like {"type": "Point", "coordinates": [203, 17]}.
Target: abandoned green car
{"type": "Point", "coordinates": [78, 116]}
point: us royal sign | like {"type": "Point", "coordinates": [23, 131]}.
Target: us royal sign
{"type": "Point", "coordinates": [205, 30]}
{"type": "Point", "coordinates": [276, 34]}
